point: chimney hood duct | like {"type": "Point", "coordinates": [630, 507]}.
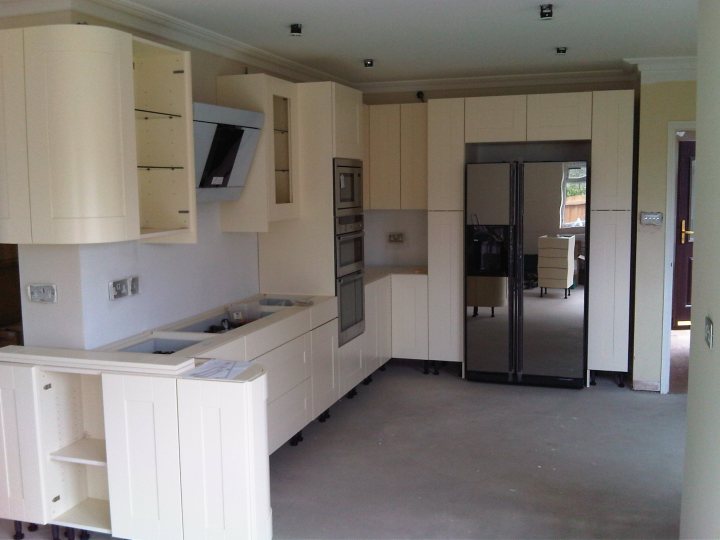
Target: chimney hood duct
{"type": "Point", "coordinates": [225, 143]}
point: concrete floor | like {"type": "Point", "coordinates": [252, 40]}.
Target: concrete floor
{"type": "Point", "coordinates": [423, 456]}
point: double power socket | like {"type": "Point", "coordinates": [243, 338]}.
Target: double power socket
{"type": "Point", "coordinates": [120, 288]}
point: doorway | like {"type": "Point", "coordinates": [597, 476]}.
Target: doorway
{"type": "Point", "coordinates": [679, 242]}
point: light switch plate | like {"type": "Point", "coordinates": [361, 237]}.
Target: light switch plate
{"type": "Point", "coordinates": [397, 237]}
{"type": "Point", "coordinates": [43, 293]}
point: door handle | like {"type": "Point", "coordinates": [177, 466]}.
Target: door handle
{"type": "Point", "coordinates": [684, 231]}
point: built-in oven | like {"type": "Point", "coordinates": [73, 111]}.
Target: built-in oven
{"type": "Point", "coordinates": [349, 253]}
{"type": "Point", "coordinates": [348, 185]}
{"type": "Point", "coordinates": [351, 306]}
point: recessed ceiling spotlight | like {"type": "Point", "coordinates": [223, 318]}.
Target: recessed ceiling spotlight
{"type": "Point", "coordinates": [368, 62]}
{"type": "Point", "coordinates": [546, 12]}
{"type": "Point", "coordinates": [560, 50]}
{"type": "Point", "coordinates": [296, 29]}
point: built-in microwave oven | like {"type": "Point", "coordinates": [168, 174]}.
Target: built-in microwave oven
{"type": "Point", "coordinates": [348, 185]}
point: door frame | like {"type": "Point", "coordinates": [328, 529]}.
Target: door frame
{"type": "Point", "coordinates": [670, 224]}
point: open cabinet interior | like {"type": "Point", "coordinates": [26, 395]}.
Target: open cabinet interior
{"type": "Point", "coordinates": [163, 120]}
{"type": "Point", "coordinates": [73, 448]}
{"type": "Point", "coordinates": [281, 134]}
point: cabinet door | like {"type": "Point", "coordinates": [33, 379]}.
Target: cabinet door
{"type": "Point", "coordinates": [559, 117]}
{"type": "Point", "coordinates": [446, 154]}
{"type": "Point", "coordinates": [445, 286]}
{"type": "Point", "coordinates": [324, 367]}
{"type": "Point", "coordinates": [348, 129]}
{"type": "Point", "coordinates": [495, 119]}
{"type": "Point", "coordinates": [284, 190]}
{"type": "Point", "coordinates": [370, 336]}
{"type": "Point", "coordinates": [81, 134]}
{"type": "Point", "coordinates": [609, 293]}
{"type": "Point", "coordinates": [612, 150]}
{"type": "Point", "coordinates": [143, 461]}
{"type": "Point", "coordinates": [366, 156]}
{"type": "Point", "coordinates": [384, 320]}
{"type": "Point", "coordinates": [224, 459]}
{"type": "Point", "coordinates": [413, 156]}
{"type": "Point", "coordinates": [21, 474]}
{"type": "Point", "coordinates": [14, 189]}
{"type": "Point", "coordinates": [350, 365]}
{"type": "Point", "coordinates": [385, 156]}
{"type": "Point", "coordinates": [410, 316]}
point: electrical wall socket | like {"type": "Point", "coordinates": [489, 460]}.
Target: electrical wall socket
{"type": "Point", "coordinates": [44, 293]}
{"type": "Point", "coordinates": [396, 237]}
{"type": "Point", "coordinates": [120, 288]}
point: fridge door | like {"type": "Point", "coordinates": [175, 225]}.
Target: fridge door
{"type": "Point", "coordinates": [552, 226]}
{"type": "Point", "coordinates": [488, 266]}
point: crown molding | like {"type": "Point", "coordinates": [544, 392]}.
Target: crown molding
{"type": "Point", "coordinates": [499, 81]}
{"type": "Point", "coordinates": [665, 69]}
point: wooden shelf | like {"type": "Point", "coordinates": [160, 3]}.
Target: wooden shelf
{"type": "Point", "coordinates": [144, 114]}
{"type": "Point", "coordinates": [84, 451]}
{"type": "Point", "coordinates": [89, 515]}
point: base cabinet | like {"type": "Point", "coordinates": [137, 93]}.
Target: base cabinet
{"type": "Point", "coordinates": [378, 325]}
{"type": "Point", "coordinates": [350, 365]}
{"type": "Point", "coordinates": [410, 316]}
{"type": "Point", "coordinates": [324, 354]}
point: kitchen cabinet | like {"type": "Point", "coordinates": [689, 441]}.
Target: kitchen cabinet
{"type": "Point", "coordinates": [377, 339]}
{"type": "Point", "coordinates": [446, 154]}
{"type": "Point", "coordinates": [410, 316]}
{"type": "Point", "coordinates": [609, 292]}
{"type": "Point", "coordinates": [612, 150]}
{"type": "Point", "coordinates": [348, 122]}
{"type": "Point", "coordinates": [324, 352]}
{"type": "Point", "coordinates": [445, 286]}
{"type": "Point", "coordinates": [271, 191]}
{"type": "Point", "coordinates": [398, 156]}
{"type": "Point", "coordinates": [350, 365]}
{"type": "Point", "coordinates": [70, 130]}
{"type": "Point", "coordinates": [164, 136]}
{"type": "Point", "coordinates": [366, 155]}
{"type": "Point", "coordinates": [559, 117]}
{"type": "Point", "coordinates": [495, 119]}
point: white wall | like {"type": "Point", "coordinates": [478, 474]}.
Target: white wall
{"type": "Point", "coordinates": [701, 490]}
{"type": "Point", "coordinates": [176, 281]}
{"type": "Point", "coordinates": [412, 223]}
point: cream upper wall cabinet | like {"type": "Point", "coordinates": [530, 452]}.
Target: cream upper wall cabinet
{"type": "Point", "coordinates": [446, 154]}
{"type": "Point", "coordinates": [348, 130]}
{"type": "Point", "coordinates": [271, 190]}
{"type": "Point", "coordinates": [413, 156]}
{"type": "Point", "coordinates": [164, 133]}
{"type": "Point", "coordinates": [398, 156]}
{"type": "Point", "coordinates": [559, 117]}
{"type": "Point", "coordinates": [445, 286]}
{"type": "Point", "coordinates": [384, 156]}
{"type": "Point", "coordinates": [14, 187]}
{"type": "Point", "coordinates": [612, 150]}
{"type": "Point", "coordinates": [495, 119]}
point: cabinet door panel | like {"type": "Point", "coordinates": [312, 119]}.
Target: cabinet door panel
{"type": "Point", "coordinates": [384, 320]}
{"type": "Point", "coordinates": [224, 459]}
{"type": "Point", "coordinates": [612, 150]}
{"type": "Point", "coordinates": [446, 154]}
{"type": "Point", "coordinates": [143, 459]}
{"type": "Point", "coordinates": [14, 190]}
{"type": "Point", "coordinates": [559, 117]}
{"type": "Point", "coordinates": [350, 365]}
{"type": "Point", "coordinates": [21, 496]}
{"type": "Point", "coordinates": [370, 336]}
{"type": "Point", "coordinates": [445, 286]}
{"type": "Point", "coordinates": [80, 122]}
{"type": "Point", "coordinates": [324, 367]}
{"type": "Point", "coordinates": [348, 110]}
{"type": "Point", "coordinates": [286, 366]}
{"type": "Point", "coordinates": [410, 316]}
{"type": "Point", "coordinates": [413, 156]}
{"type": "Point", "coordinates": [385, 156]}
{"type": "Point", "coordinates": [288, 414]}
{"type": "Point", "coordinates": [495, 119]}
{"type": "Point", "coordinates": [609, 293]}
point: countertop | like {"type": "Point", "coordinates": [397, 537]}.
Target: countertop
{"type": "Point", "coordinates": [373, 273]}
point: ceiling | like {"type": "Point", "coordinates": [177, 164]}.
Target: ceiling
{"type": "Point", "coordinates": [433, 39]}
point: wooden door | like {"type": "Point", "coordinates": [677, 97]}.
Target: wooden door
{"type": "Point", "coordinates": [495, 119]}
{"type": "Point", "coordinates": [143, 461]}
{"type": "Point", "coordinates": [413, 156]}
{"type": "Point", "coordinates": [446, 154]}
{"type": "Point", "coordinates": [410, 316]}
{"type": "Point", "coordinates": [684, 238]}
{"type": "Point", "coordinates": [385, 157]}
{"type": "Point", "coordinates": [559, 117]}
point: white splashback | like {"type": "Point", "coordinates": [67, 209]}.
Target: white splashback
{"type": "Point", "coordinates": [412, 223]}
{"type": "Point", "coordinates": [176, 281]}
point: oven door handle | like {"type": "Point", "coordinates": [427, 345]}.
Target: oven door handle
{"type": "Point", "coordinates": [350, 236]}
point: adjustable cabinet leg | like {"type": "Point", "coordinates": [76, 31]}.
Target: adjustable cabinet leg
{"type": "Point", "coordinates": [593, 382]}
{"type": "Point", "coordinates": [541, 292]}
{"type": "Point", "coordinates": [84, 535]}
{"type": "Point", "coordinates": [492, 311]}
{"type": "Point", "coordinates": [475, 311]}
{"type": "Point", "coordinates": [18, 531]}
{"type": "Point", "coordinates": [621, 380]}
{"type": "Point", "coordinates": [296, 439]}
{"type": "Point", "coordinates": [382, 368]}
{"type": "Point", "coordinates": [70, 533]}
{"type": "Point", "coordinates": [426, 370]}
{"type": "Point", "coordinates": [435, 364]}
{"type": "Point", "coordinates": [352, 393]}
{"type": "Point", "coordinates": [324, 416]}
{"type": "Point", "coordinates": [55, 532]}
{"type": "Point", "coordinates": [566, 293]}
{"type": "Point", "coordinates": [367, 380]}
{"type": "Point", "coordinates": [32, 527]}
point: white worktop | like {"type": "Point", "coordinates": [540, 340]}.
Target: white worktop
{"type": "Point", "coordinates": [373, 273]}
